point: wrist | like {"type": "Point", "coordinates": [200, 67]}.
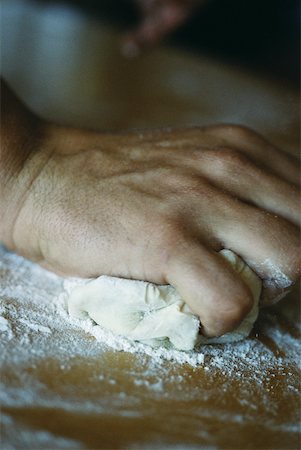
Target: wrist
{"type": "Point", "coordinates": [21, 159]}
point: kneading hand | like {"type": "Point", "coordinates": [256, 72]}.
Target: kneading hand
{"type": "Point", "coordinates": [158, 206]}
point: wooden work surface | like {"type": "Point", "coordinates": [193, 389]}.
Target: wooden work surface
{"type": "Point", "coordinates": [61, 388]}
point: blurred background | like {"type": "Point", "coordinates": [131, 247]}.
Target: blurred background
{"type": "Point", "coordinates": [258, 34]}
{"type": "Point", "coordinates": [231, 61]}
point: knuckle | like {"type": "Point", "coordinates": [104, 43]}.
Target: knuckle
{"type": "Point", "coordinates": [192, 154]}
{"type": "Point", "coordinates": [180, 179]}
{"type": "Point", "coordinates": [239, 132]}
{"type": "Point", "coordinates": [275, 225]}
{"type": "Point", "coordinates": [181, 182]}
{"type": "Point", "coordinates": [230, 158]}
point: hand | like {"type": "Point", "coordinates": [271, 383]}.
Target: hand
{"type": "Point", "coordinates": [159, 18]}
{"type": "Point", "coordinates": [158, 206]}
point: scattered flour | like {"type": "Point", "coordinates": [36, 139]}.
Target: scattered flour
{"type": "Point", "coordinates": [38, 337]}
{"type": "Point", "coordinates": [35, 326]}
{"type": "Point", "coordinates": [4, 324]}
{"type": "Point", "coordinates": [39, 307]}
{"type": "Point", "coordinates": [33, 303]}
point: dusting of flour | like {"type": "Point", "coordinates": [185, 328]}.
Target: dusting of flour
{"type": "Point", "coordinates": [33, 304]}
{"type": "Point", "coordinates": [39, 342]}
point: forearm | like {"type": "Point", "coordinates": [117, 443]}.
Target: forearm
{"type": "Point", "coordinates": [21, 132]}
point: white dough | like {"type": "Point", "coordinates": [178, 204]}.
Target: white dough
{"type": "Point", "coordinates": [154, 314]}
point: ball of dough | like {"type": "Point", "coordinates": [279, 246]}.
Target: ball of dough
{"type": "Point", "coordinates": [154, 314]}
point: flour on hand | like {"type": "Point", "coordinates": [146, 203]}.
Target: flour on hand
{"type": "Point", "coordinates": [154, 314]}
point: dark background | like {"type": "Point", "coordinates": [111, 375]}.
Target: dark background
{"type": "Point", "coordinates": [258, 34]}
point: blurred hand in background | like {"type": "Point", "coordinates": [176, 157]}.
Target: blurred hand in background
{"type": "Point", "coordinates": [159, 18]}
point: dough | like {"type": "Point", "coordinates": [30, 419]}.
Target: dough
{"type": "Point", "coordinates": [154, 314]}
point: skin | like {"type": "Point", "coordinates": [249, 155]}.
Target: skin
{"type": "Point", "coordinates": [155, 205]}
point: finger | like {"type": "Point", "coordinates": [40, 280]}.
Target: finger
{"type": "Point", "coordinates": [241, 139]}
{"type": "Point", "coordinates": [259, 149]}
{"type": "Point", "coordinates": [269, 244]}
{"type": "Point", "coordinates": [209, 286]}
{"type": "Point", "coordinates": [235, 173]}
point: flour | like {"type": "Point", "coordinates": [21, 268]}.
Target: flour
{"type": "Point", "coordinates": [35, 326]}
{"type": "Point", "coordinates": [44, 353]}
{"type": "Point", "coordinates": [39, 309]}
{"type": "Point", "coordinates": [4, 324]}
